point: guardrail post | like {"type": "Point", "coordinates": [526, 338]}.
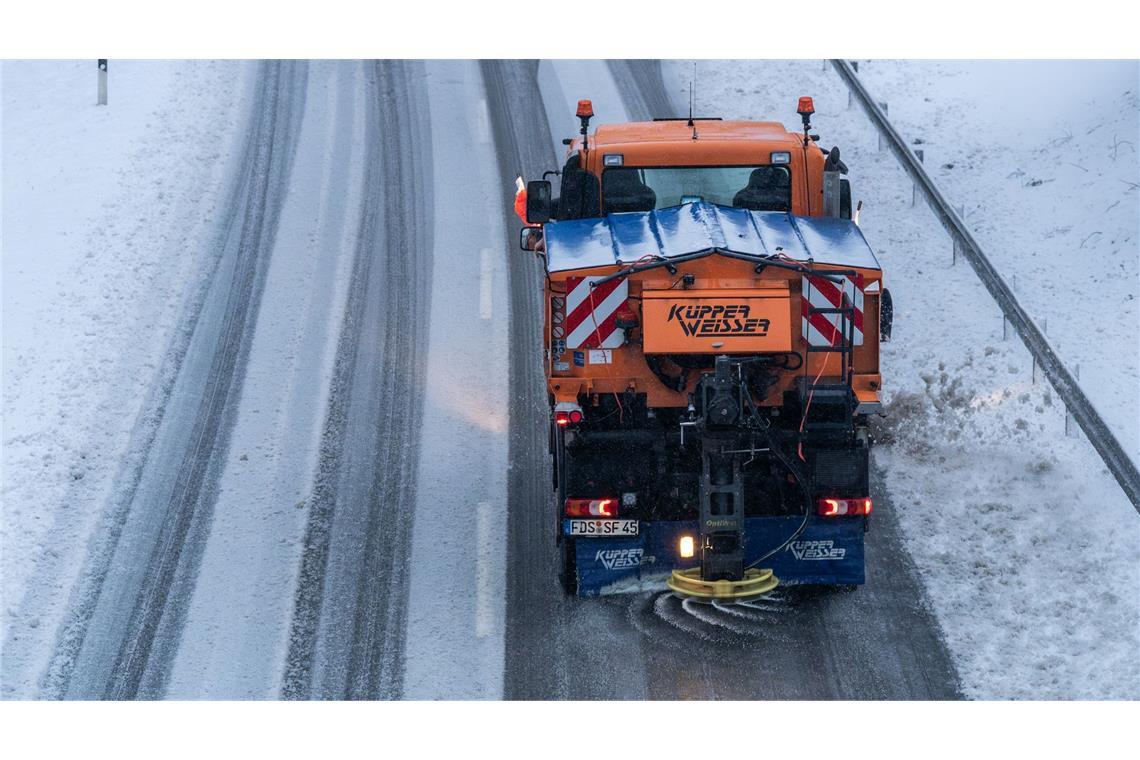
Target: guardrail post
{"type": "Point", "coordinates": [1004, 320]}
{"type": "Point", "coordinates": [913, 185]}
{"type": "Point", "coordinates": [1068, 414]}
{"type": "Point", "coordinates": [883, 108]}
{"type": "Point", "coordinates": [1044, 331]}
{"type": "Point", "coordinates": [954, 255]}
{"type": "Point", "coordinates": [102, 63]}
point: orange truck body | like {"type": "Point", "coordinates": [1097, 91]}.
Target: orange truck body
{"type": "Point", "coordinates": [775, 292]}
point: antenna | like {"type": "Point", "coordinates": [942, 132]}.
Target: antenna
{"type": "Point", "coordinates": [692, 85]}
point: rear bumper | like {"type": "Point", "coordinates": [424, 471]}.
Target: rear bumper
{"type": "Point", "coordinates": [828, 552]}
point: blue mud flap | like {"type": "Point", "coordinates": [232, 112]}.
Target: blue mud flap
{"type": "Point", "coordinates": [828, 552]}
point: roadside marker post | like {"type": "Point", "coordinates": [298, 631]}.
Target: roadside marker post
{"type": "Point", "coordinates": [102, 101]}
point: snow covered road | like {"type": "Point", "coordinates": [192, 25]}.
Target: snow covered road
{"type": "Point", "coordinates": [339, 487]}
{"type": "Point", "coordinates": [351, 600]}
{"type": "Point", "coordinates": [126, 614]}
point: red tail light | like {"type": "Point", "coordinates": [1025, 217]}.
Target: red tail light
{"type": "Point", "coordinates": [573, 417]}
{"type": "Point", "coordinates": [567, 414]}
{"type": "Point", "coordinates": [844, 507]}
{"type": "Point", "coordinates": [591, 507]}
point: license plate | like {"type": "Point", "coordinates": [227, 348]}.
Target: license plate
{"type": "Point", "coordinates": [600, 528]}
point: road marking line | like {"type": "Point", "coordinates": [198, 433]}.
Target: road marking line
{"type": "Point", "coordinates": [484, 588]}
{"type": "Point", "coordinates": [481, 123]}
{"type": "Point", "coordinates": [486, 275]}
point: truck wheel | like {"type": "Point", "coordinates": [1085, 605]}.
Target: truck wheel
{"type": "Point", "coordinates": [568, 569]}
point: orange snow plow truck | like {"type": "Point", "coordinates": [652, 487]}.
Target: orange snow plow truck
{"type": "Point", "coordinates": [713, 320]}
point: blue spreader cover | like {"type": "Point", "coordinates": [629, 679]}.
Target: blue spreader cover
{"type": "Point", "coordinates": [828, 552]}
{"type": "Point", "coordinates": [698, 227]}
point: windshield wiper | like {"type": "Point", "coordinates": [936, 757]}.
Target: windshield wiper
{"type": "Point", "coordinates": [832, 275]}
{"type": "Point", "coordinates": [762, 262]}
{"type": "Point", "coordinates": [658, 261]}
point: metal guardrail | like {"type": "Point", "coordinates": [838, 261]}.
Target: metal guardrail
{"type": "Point", "coordinates": [1079, 406]}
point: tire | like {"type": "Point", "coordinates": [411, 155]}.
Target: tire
{"type": "Point", "coordinates": [568, 568]}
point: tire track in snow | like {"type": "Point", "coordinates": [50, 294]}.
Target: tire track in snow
{"type": "Point", "coordinates": [119, 638]}
{"type": "Point", "coordinates": [350, 608]}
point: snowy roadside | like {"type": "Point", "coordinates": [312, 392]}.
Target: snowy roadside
{"type": "Point", "coordinates": [1024, 542]}
{"type": "Point", "coordinates": [1051, 190]}
{"type": "Point", "coordinates": [106, 216]}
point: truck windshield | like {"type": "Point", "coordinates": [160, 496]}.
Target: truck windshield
{"type": "Point", "coordinates": [759, 188]}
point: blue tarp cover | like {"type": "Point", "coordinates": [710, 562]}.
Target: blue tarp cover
{"type": "Point", "coordinates": [696, 227]}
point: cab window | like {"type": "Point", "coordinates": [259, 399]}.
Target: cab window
{"type": "Point", "coordinates": [758, 188]}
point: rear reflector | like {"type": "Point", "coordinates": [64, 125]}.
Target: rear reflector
{"type": "Point", "coordinates": [591, 507]}
{"type": "Point", "coordinates": [844, 507]}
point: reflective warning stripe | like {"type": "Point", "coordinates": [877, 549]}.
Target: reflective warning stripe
{"type": "Point", "coordinates": [821, 293]}
{"type": "Point", "coordinates": [591, 314]}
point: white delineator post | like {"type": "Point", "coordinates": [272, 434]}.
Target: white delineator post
{"type": "Point", "coordinates": [102, 101]}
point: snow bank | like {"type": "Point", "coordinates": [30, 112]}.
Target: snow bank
{"type": "Point", "coordinates": [1043, 156]}
{"type": "Point", "coordinates": [1025, 544]}
{"type": "Point", "coordinates": [105, 217]}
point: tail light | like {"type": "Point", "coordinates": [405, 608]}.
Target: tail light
{"type": "Point", "coordinates": [844, 507]}
{"type": "Point", "coordinates": [567, 413]}
{"type": "Point", "coordinates": [591, 507]}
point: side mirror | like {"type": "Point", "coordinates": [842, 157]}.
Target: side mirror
{"type": "Point", "coordinates": [844, 198]}
{"type": "Point", "coordinates": [530, 238]}
{"type": "Point", "coordinates": [886, 316]}
{"type": "Point", "coordinates": [538, 201]}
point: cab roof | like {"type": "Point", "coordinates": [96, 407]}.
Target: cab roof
{"type": "Point", "coordinates": [678, 130]}
{"type": "Point", "coordinates": [671, 143]}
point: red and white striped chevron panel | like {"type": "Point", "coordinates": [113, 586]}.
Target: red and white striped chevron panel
{"type": "Point", "coordinates": [824, 329]}
{"type": "Point", "coordinates": [591, 314]}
